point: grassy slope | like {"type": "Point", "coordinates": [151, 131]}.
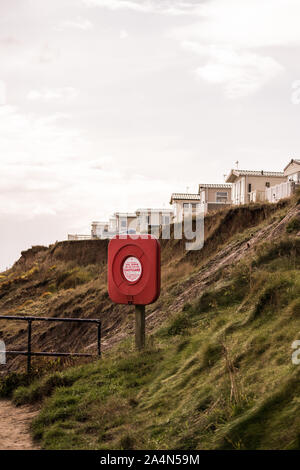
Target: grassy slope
{"type": "Point", "coordinates": [218, 375]}
{"type": "Point", "coordinates": [69, 280]}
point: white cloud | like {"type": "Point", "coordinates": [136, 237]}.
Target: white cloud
{"type": "Point", "coordinates": [44, 168]}
{"type": "Point", "coordinates": [295, 96]}
{"type": "Point", "coordinates": [49, 169]}
{"type": "Point", "coordinates": [80, 23]}
{"type": "Point", "coordinates": [26, 139]}
{"type": "Point", "coordinates": [275, 21]}
{"type": "Point", "coordinates": [47, 54]}
{"type": "Point", "coordinates": [171, 7]}
{"type": "Point", "coordinates": [2, 93]}
{"type": "Point", "coordinates": [240, 73]}
{"type": "Point", "coordinates": [49, 94]}
{"type": "Point", "coordinates": [229, 36]}
{"type": "Point", "coordinates": [123, 34]}
{"type": "Point", "coordinates": [251, 23]}
{"type": "Point", "coordinates": [8, 41]}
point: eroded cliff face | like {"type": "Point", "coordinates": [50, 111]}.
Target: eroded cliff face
{"type": "Point", "coordinates": [68, 279]}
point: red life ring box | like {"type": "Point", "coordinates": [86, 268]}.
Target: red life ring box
{"type": "Point", "coordinates": [134, 269]}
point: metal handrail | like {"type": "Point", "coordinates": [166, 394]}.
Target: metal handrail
{"type": "Point", "coordinates": [30, 353]}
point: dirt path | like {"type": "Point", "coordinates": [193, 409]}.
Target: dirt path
{"type": "Point", "coordinates": [14, 427]}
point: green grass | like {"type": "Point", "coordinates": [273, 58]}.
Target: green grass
{"type": "Point", "coordinates": [293, 225]}
{"type": "Point", "coordinates": [73, 277]}
{"type": "Point", "coordinates": [218, 375]}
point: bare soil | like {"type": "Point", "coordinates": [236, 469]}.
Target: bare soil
{"type": "Point", "coordinates": [14, 427]}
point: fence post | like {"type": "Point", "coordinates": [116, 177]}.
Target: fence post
{"type": "Point", "coordinates": [29, 348]}
{"type": "Point", "coordinates": [2, 352]}
{"type": "Point", "coordinates": [99, 339]}
{"type": "Point", "coordinates": [140, 326]}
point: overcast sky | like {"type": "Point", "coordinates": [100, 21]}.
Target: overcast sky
{"type": "Point", "coordinates": [112, 105]}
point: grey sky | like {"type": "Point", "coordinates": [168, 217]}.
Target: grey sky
{"type": "Point", "coordinates": [113, 104]}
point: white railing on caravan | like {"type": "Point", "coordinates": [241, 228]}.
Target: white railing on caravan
{"type": "Point", "coordinates": [257, 196]}
{"type": "Point", "coordinates": [280, 191]}
{"type": "Point", "coordinates": [79, 237]}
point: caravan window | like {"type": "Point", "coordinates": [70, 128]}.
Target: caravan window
{"type": "Point", "coordinates": [221, 196]}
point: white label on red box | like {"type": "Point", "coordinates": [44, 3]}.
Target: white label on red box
{"type": "Point", "coordinates": [132, 269]}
